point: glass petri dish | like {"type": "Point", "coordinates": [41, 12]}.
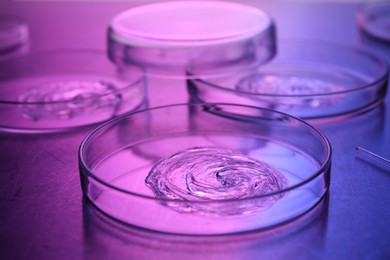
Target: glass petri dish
{"type": "Point", "coordinates": [374, 19]}
{"type": "Point", "coordinates": [13, 34]}
{"type": "Point", "coordinates": [60, 90]}
{"type": "Point", "coordinates": [165, 38]}
{"type": "Point", "coordinates": [314, 81]}
{"type": "Point", "coordinates": [309, 229]}
{"type": "Point", "coordinates": [205, 169]}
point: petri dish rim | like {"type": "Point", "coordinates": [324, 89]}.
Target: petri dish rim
{"type": "Point", "coordinates": [362, 14]}
{"type": "Point", "coordinates": [16, 26]}
{"type": "Point", "coordinates": [66, 101]}
{"type": "Point", "coordinates": [187, 37]}
{"type": "Point", "coordinates": [134, 36]}
{"type": "Point", "coordinates": [101, 70]}
{"type": "Point", "coordinates": [316, 210]}
{"type": "Point", "coordinates": [61, 52]}
{"type": "Point", "coordinates": [84, 144]}
{"type": "Point", "coordinates": [382, 64]}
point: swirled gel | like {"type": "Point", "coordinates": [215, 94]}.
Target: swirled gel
{"type": "Point", "coordinates": [291, 86]}
{"type": "Point", "coordinates": [68, 99]}
{"type": "Point", "coordinates": [215, 181]}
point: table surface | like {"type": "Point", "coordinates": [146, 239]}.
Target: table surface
{"type": "Point", "coordinates": [42, 211]}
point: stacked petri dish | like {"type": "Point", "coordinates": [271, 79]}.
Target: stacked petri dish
{"type": "Point", "coordinates": [167, 38]}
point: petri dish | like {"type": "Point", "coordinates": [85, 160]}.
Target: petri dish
{"type": "Point", "coordinates": [13, 34]}
{"type": "Point", "coordinates": [166, 38]}
{"type": "Point", "coordinates": [205, 169]}
{"type": "Point", "coordinates": [315, 81]}
{"type": "Point", "coordinates": [308, 229]}
{"type": "Point", "coordinates": [63, 89]}
{"type": "Point", "coordinates": [374, 19]}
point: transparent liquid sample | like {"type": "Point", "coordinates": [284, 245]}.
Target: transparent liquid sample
{"type": "Point", "coordinates": [127, 168]}
{"type": "Point", "coordinates": [211, 174]}
{"type": "Point", "coordinates": [69, 98]}
{"type": "Point", "coordinates": [290, 86]}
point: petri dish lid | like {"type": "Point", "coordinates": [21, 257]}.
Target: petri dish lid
{"type": "Point", "coordinates": [167, 38]}
{"type": "Point", "coordinates": [374, 19]}
{"type": "Point", "coordinates": [13, 34]}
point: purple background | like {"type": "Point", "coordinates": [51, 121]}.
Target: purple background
{"type": "Point", "coordinates": [42, 213]}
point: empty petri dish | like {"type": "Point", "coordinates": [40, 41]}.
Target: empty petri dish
{"type": "Point", "coordinates": [165, 38]}
{"type": "Point", "coordinates": [311, 80]}
{"type": "Point", "coordinates": [59, 90]}
{"type": "Point", "coordinates": [205, 169]}
{"type": "Point", "coordinates": [374, 19]}
{"type": "Point", "coordinates": [13, 34]}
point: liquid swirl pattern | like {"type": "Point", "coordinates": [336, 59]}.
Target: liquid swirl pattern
{"type": "Point", "coordinates": [208, 176]}
{"type": "Point", "coordinates": [291, 86]}
{"type": "Point", "coordinates": [68, 99]}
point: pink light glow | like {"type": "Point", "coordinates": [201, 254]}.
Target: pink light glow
{"type": "Point", "coordinates": [189, 23]}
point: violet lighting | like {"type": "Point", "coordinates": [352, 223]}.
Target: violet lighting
{"type": "Point", "coordinates": [166, 39]}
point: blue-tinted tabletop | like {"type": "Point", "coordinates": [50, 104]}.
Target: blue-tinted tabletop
{"type": "Point", "coordinates": [42, 210]}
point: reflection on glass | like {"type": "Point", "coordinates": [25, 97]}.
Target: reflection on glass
{"type": "Point", "coordinates": [374, 19]}
{"type": "Point", "coordinates": [302, 238]}
{"type": "Point", "coordinates": [14, 36]}
{"type": "Point", "coordinates": [225, 168]}
{"type": "Point", "coordinates": [61, 90]}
